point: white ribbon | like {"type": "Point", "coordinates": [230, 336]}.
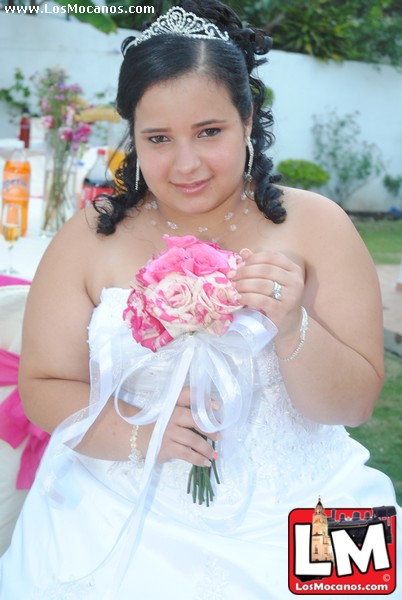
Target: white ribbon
{"type": "Point", "coordinates": [213, 366]}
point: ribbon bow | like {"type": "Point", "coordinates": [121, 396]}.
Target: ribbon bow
{"type": "Point", "coordinates": [221, 365]}
{"type": "Point", "coordinates": [14, 425]}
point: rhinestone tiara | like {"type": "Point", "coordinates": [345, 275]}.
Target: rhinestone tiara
{"type": "Point", "coordinates": [178, 21]}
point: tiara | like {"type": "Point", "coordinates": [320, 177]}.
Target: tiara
{"type": "Point", "coordinates": [178, 21]}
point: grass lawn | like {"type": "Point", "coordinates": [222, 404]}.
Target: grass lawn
{"type": "Point", "coordinates": [382, 433]}
{"type": "Point", "coordinates": [383, 238]}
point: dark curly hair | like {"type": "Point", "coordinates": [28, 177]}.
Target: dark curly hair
{"type": "Point", "coordinates": [168, 56]}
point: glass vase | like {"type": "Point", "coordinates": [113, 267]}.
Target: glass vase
{"type": "Point", "coordinates": [59, 197]}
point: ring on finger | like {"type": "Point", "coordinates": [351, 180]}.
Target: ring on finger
{"type": "Point", "coordinates": [276, 293]}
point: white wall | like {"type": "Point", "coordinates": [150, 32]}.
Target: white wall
{"type": "Point", "coordinates": [303, 86]}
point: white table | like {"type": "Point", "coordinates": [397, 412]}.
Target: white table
{"type": "Point", "coordinates": [27, 253]}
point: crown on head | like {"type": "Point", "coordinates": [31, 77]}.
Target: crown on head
{"type": "Point", "coordinates": [178, 21]}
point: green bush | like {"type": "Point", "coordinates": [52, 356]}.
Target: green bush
{"type": "Point", "coordinates": [393, 184]}
{"type": "Point", "coordinates": [351, 162]}
{"type": "Point", "coordinates": [302, 174]}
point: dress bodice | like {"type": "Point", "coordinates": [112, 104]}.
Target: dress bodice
{"type": "Point", "coordinates": [284, 448]}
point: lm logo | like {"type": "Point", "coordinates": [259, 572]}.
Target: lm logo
{"type": "Point", "coordinates": [344, 551]}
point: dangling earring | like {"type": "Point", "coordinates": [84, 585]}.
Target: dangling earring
{"type": "Point", "coordinates": [137, 175]}
{"type": "Point", "coordinates": [250, 159]}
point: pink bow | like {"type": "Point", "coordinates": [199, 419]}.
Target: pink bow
{"type": "Point", "coordinates": [14, 425]}
{"type": "Point", "coordinates": [11, 280]}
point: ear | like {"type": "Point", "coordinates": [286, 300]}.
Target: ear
{"type": "Point", "coordinates": [248, 126]}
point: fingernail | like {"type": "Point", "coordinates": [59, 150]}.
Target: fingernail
{"type": "Point", "coordinates": [245, 252]}
{"type": "Point", "coordinates": [215, 455]}
{"type": "Point", "coordinates": [207, 463]}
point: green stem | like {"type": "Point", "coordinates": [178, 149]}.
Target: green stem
{"type": "Point", "coordinates": [199, 482]}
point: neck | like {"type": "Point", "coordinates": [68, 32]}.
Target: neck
{"type": "Point", "coordinates": [210, 226]}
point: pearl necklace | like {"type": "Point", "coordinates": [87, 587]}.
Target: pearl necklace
{"type": "Point", "coordinates": [156, 217]}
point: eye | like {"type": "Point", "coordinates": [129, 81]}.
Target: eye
{"type": "Point", "coordinates": [158, 139]}
{"type": "Point", "coordinates": [210, 132]}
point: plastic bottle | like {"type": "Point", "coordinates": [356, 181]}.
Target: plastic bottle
{"type": "Point", "coordinates": [96, 182]}
{"type": "Point", "coordinates": [16, 180]}
{"type": "Point", "coordinates": [25, 127]}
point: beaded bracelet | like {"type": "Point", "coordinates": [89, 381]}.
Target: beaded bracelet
{"type": "Point", "coordinates": [303, 332]}
{"type": "Point", "coordinates": [135, 457]}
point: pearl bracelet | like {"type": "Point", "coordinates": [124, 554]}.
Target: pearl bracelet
{"type": "Point", "coordinates": [135, 457]}
{"type": "Point", "coordinates": [303, 332]}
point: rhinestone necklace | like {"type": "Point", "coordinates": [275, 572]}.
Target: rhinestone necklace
{"type": "Point", "coordinates": [156, 217]}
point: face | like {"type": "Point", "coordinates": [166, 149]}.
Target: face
{"type": "Point", "coordinates": [191, 145]}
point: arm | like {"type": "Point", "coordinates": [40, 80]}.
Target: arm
{"type": "Point", "coordinates": [338, 374]}
{"type": "Point", "coordinates": [54, 370]}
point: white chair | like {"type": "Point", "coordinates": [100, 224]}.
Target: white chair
{"type": "Point", "coordinates": [12, 305]}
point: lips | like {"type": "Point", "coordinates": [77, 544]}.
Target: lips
{"type": "Point", "coordinates": [194, 187]}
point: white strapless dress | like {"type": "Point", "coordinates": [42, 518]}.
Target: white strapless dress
{"type": "Point", "coordinates": [80, 535]}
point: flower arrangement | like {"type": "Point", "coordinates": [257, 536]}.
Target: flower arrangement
{"type": "Point", "coordinates": [59, 103]}
{"type": "Point", "coordinates": [184, 290]}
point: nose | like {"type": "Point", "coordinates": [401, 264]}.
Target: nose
{"type": "Point", "coordinates": [187, 159]}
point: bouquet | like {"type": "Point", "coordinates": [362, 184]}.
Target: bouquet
{"type": "Point", "coordinates": [184, 290]}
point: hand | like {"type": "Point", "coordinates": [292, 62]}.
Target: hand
{"type": "Point", "coordinates": [254, 280]}
{"type": "Point", "coordinates": [182, 437]}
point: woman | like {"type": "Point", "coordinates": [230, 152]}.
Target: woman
{"type": "Point", "coordinates": [195, 166]}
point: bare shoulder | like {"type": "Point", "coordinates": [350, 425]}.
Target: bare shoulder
{"type": "Point", "coordinates": [320, 225]}
{"type": "Point", "coordinates": [304, 205]}
{"type": "Point", "coordinates": [70, 257]}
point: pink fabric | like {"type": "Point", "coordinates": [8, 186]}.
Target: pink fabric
{"type": "Point", "coordinates": [9, 280]}
{"type": "Point", "coordinates": [14, 425]}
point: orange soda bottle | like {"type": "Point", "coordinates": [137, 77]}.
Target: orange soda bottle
{"type": "Point", "coordinates": [16, 179]}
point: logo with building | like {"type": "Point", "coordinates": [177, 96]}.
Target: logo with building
{"type": "Point", "coordinates": [342, 550]}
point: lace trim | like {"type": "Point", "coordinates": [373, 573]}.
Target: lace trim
{"type": "Point", "coordinates": [214, 580]}
{"type": "Point", "coordinates": [65, 591]}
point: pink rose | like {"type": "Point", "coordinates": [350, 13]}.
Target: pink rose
{"type": "Point", "coordinates": [206, 259]}
{"type": "Point", "coordinates": [218, 300]}
{"type": "Point", "coordinates": [184, 290]}
{"type": "Point", "coordinates": [169, 262]}
{"type": "Point", "coordinates": [187, 304]}
{"type": "Point", "coordinates": [173, 302]}
{"type": "Point", "coordinates": [184, 241]}
{"type": "Point", "coordinates": [146, 330]}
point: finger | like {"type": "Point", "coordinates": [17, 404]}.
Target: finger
{"type": "Point", "coordinates": [184, 397]}
{"type": "Point", "coordinates": [268, 305]}
{"type": "Point", "coordinates": [190, 455]}
{"type": "Point", "coordinates": [261, 271]}
{"type": "Point", "coordinates": [269, 257]}
{"type": "Point", "coordinates": [198, 443]}
{"type": "Point", "coordinates": [188, 446]}
{"type": "Point", "coordinates": [245, 253]}
{"type": "Point", "coordinates": [263, 287]}
{"type": "Point", "coordinates": [182, 419]}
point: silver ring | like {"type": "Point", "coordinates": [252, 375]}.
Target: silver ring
{"type": "Point", "coordinates": [276, 293]}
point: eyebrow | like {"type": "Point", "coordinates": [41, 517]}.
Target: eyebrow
{"type": "Point", "coordinates": [195, 126]}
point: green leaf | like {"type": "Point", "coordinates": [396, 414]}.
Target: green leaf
{"type": "Point", "coordinates": [100, 21]}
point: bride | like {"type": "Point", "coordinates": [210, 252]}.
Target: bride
{"type": "Point", "coordinates": [262, 407]}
